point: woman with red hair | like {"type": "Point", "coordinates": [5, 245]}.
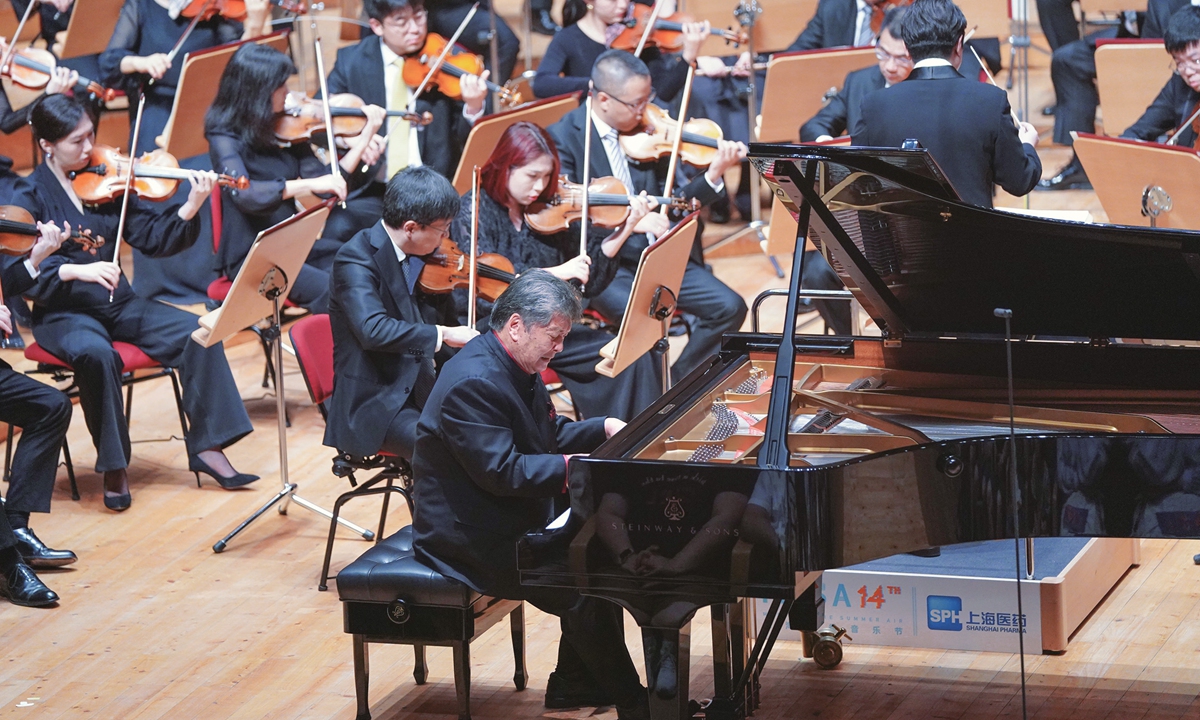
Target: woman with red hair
{"type": "Point", "coordinates": [523, 169]}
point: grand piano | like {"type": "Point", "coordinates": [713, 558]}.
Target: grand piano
{"type": "Point", "coordinates": [787, 455]}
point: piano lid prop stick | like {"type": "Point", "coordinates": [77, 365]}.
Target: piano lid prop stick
{"type": "Point", "coordinates": [334, 168]}
{"type": "Point", "coordinates": [471, 270]}
{"type": "Point", "coordinates": [673, 162]}
{"type": "Point", "coordinates": [649, 27]}
{"type": "Point", "coordinates": [137, 132]}
{"type": "Point", "coordinates": [1006, 314]}
{"type": "Point", "coordinates": [437, 64]}
{"type": "Point", "coordinates": [585, 207]}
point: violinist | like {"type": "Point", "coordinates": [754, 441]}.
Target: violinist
{"type": "Point", "coordinates": [82, 303]}
{"type": "Point", "coordinates": [1172, 111]}
{"type": "Point", "coordinates": [622, 90]}
{"type": "Point", "coordinates": [386, 332]}
{"type": "Point", "coordinates": [446, 15]}
{"type": "Point", "coordinates": [589, 28]}
{"type": "Point", "coordinates": [523, 170]}
{"type": "Point", "coordinates": [967, 126]}
{"type": "Point", "coordinates": [240, 127]}
{"type": "Point", "coordinates": [137, 56]}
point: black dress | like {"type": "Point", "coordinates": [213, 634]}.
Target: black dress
{"type": "Point", "coordinates": [596, 395]}
{"type": "Point", "coordinates": [76, 322]}
{"type": "Point", "coordinates": [246, 213]}
{"type": "Point", "coordinates": [567, 66]}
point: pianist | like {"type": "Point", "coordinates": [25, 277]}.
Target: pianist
{"type": "Point", "coordinates": [490, 461]}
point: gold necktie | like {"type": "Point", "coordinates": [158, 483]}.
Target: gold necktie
{"type": "Point", "coordinates": [398, 138]}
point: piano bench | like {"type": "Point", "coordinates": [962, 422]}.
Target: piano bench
{"type": "Point", "coordinates": [388, 596]}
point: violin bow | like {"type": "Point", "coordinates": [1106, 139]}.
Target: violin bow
{"type": "Point", "coordinates": [187, 33]}
{"type": "Point", "coordinates": [587, 167]}
{"type": "Point", "coordinates": [334, 168]}
{"type": "Point", "coordinates": [673, 162]}
{"type": "Point", "coordinates": [5, 65]}
{"type": "Point", "coordinates": [1174, 139]}
{"type": "Point", "coordinates": [472, 274]}
{"type": "Point", "coordinates": [649, 26]}
{"type": "Point", "coordinates": [412, 99]}
{"type": "Point", "coordinates": [137, 132]}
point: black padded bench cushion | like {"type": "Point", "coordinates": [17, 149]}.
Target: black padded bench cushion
{"type": "Point", "coordinates": [389, 571]}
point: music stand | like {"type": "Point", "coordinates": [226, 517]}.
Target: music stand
{"type": "Point", "coordinates": [257, 293]}
{"type": "Point", "coordinates": [1140, 183]}
{"type": "Point", "coordinates": [651, 303]}
{"type": "Point", "coordinates": [486, 133]}
{"type": "Point", "coordinates": [92, 24]}
{"type": "Point", "coordinates": [183, 135]}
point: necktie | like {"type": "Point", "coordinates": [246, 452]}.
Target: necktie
{"type": "Point", "coordinates": [865, 35]}
{"type": "Point", "coordinates": [426, 374]}
{"type": "Point", "coordinates": [411, 267]}
{"type": "Point", "coordinates": [398, 138]}
{"type": "Point", "coordinates": [616, 158]}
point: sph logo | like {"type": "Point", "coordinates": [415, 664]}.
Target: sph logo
{"type": "Point", "coordinates": [945, 612]}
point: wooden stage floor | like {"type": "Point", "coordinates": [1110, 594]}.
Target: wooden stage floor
{"type": "Point", "coordinates": [154, 625]}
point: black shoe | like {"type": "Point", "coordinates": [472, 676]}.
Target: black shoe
{"type": "Point", "coordinates": [1072, 177]}
{"type": "Point", "coordinates": [22, 587]}
{"type": "Point", "coordinates": [719, 212]}
{"type": "Point", "coordinates": [640, 710]}
{"type": "Point", "coordinates": [35, 553]}
{"type": "Point", "coordinates": [563, 693]}
{"type": "Point", "coordinates": [1049, 110]}
{"type": "Point", "coordinates": [119, 503]}
{"type": "Point", "coordinates": [196, 465]}
{"type": "Point", "coordinates": [543, 23]}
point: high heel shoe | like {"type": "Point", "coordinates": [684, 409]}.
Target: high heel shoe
{"type": "Point", "coordinates": [119, 503]}
{"type": "Point", "coordinates": [197, 466]}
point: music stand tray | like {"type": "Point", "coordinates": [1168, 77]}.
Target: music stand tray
{"type": "Point", "coordinates": [651, 302]}
{"type": "Point", "coordinates": [258, 293]}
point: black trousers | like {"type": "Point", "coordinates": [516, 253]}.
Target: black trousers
{"type": "Point", "coordinates": [820, 275]}
{"type": "Point", "coordinates": [1073, 72]}
{"type": "Point", "coordinates": [401, 436]}
{"type": "Point", "coordinates": [43, 414]}
{"type": "Point", "coordinates": [623, 396]}
{"type": "Point", "coordinates": [444, 21]}
{"type": "Point", "coordinates": [1058, 22]}
{"type": "Point", "coordinates": [716, 307]}
{"type": "Point", "coordinates": [83, 339]}
{"type": "Point", "coordinates": [7, 539]}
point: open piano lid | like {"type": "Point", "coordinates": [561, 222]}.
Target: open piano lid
{"type": "Point", "coordinates": [923, 263]}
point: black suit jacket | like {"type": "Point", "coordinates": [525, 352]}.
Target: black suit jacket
{"type": "Point", "coordinates": [649, 176]}
{"type": "Point", "coordinates": [1174, 104]}
{"type": "Point", "coordinates": [831, 26]}
{"type": "Point", "coordinates": [966, 125]}
{"type": "Point", "coordinates": [381, 336]}
{"type": "Point", "coordinates": [488, 466]}
{"type": "Point", "coordinates": [359, 70]}
{"type": "Point", "coordinates": [15, 280]}
{"type": "Point", "coordinates": [843, 110]}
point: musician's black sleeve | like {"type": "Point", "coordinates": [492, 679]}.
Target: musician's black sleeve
{"type": "Point", "coordinates": [831, 120]}
{"type": "Point", "coordinates": [1016, 164]}
{"type": "Point", "coordinates": [126, 36]}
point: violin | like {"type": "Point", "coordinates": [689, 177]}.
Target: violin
{"type": "Point", "coordinates": [667, 33]}
{"type": "Point", "coordinates": [19, 233]}
{"type": "Point", "coordinates": [608, 205]}
{"type": "Point", "coordinates": [880, 8]}
{"type": "Point", "coordinates": [1193, 121]}
{"type": "Point", "coordinates": [32, 67]}
{"type": "Point", "coordinates": [458, 62]}
{"type": "Point", "coordinates": [235, 9]}
{"type": "Point", "coordinates": [156, 176]}
{"type": "Point", "coordinates": [448, 268]}
{"type": "Point", "coordinates": [656, 138]}
{"type": "Point", "coordinates": [304, 117]}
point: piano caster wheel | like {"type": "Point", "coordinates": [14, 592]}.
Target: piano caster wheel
{"type": "Point", "coordinates": [827, 650]}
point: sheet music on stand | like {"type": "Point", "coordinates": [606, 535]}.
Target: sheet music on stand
{"type": "Point", "coordinates": [651, 302]}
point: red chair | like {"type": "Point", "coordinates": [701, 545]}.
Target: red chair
{"type": "Point", "coordinates": [133, 361]}
{"type": "Point", "coordinates": [312, 339]}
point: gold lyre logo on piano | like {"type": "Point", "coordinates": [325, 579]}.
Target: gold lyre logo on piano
{"type": "Point", "coordinates": [674, 509]}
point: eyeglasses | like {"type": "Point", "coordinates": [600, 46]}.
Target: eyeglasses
{"type": "Point", "coordinates": [417, 19]}
{"type": "Point", "coordinates": [883, 56]}
{"type": "Point", "coordinates": [442, 231]}
{"type": "Point", "coordinates": [636, 108]}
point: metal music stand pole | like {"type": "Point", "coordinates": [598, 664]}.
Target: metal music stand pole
{"type": "Point", "coordinates": [274, 288]}
{"type": "Point", "coordinates": [662, 308]}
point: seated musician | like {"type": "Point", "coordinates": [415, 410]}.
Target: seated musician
{"type": "Point", "coordinates": [843, 110]}
{"type": "Point", "coordinates": [523, 170]}
{"type": "Point", "coordinates": [966, 125]}
{"type": "Point", "coordinates": [83, 302]}
{"type": "Point", "coordinates": [446, 15]}
{"type": "Point", "coordinates": [622, 90]}
{"type": "Point", "coordinates": [588, 30]}
{"type": "Point", "coordinates": [384, 331]}
{"type": "Point", "coordinates": [136, 58]}
{"type": "Point", "coordinates": [374, 71]}
{"type": "Point", "coordinates": [490, 463]}
{"type": "Point", "coordinates": [1179, 99]}
{"type": "Point", "coordinates": [43, 414]}
{"type": "Point", "coordinates": [240, 127]}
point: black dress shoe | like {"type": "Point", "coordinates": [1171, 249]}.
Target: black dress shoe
{"type": "Point", "coordinates": [196, 465]}
{"type": "Point", "coordinates": [118, 503]}
{"type": "Point", "coordinates": [1072, 177]}
{"type": "Point", "coordinates": [35, 553]}
{"type": "Point", "coordinates": [719, 212]}
{"type": "Point", "coordinates": [22, 587]}
{"type": "Point", "coordinates": [543, 23]}
{"type": "Point", "coordinates": [563, 693]}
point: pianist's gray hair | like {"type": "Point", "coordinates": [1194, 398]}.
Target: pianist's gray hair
{"type": "Point", "coordinates": [538, 297]}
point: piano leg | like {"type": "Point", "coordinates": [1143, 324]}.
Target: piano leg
{"type": "Point", "coordinates": [723, 673]}
{"type": "Point", "coordinates": [668, 700]}
{"type": "Point", "coordinates": [739, 638]}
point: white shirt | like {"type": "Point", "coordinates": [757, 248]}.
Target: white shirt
{"type": "Point", "coordinates": [616, 156]}
{"type": "Point", "coordinates": [933, 62]}
{"type": "Point", "coordinates": [400, 256]}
